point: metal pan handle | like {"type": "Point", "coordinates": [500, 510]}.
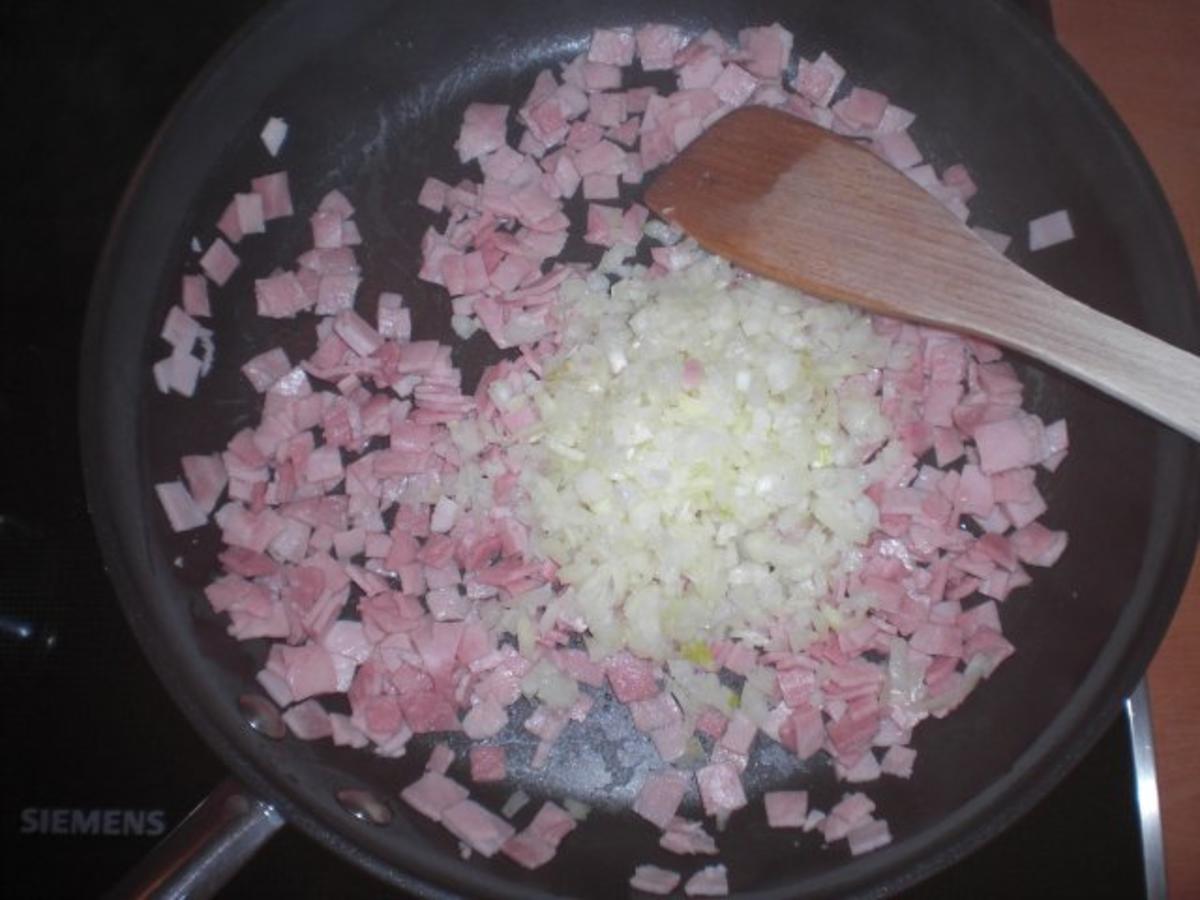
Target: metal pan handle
{"type": "Point", "coordinates": [205, 850]}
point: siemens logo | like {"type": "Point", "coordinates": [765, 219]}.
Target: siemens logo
{"type": "Point", "coordinates": [101, 822]}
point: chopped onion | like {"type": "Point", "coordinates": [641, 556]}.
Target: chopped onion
{"type": "Point", "coordinates": [716, 483]}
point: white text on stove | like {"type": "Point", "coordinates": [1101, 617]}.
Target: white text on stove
{"type": "Point", "coordinates": [107, 822]}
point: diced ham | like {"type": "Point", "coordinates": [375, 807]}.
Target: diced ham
{"type": "Point", "coordinates": [687, 838]}
{"type": "Point", "coordinates": [898, 761]}
{"type": "Point", "coordinates": [614, 46]}
{"type": "Point", "coordinates": [898, 149]}
{"type": "Point", "coordinates": [862, 109]}
{"type": "Point", "coordinates": [308, 721]}
{"type": "Point", "coordinates": [604, 158]}
{"type": "Point", "coordinates": [264, 370]}
{"type": "Point", "coordinates": [959, 179]}
{"type": "Point", "coordinates": [309, 670]}
{"type": "Point", "coordinates": [804, 732]}
{"type": "Point", "coordinates": [273, 134]}
{"type": "Point", "coordinates": [179, 372]}
{"type": "Point", "coordinates": [656, 712]}
{"type": "Point", "coordinates": [657, 46]}
{"type": "Point", "coordinates": [720, 789]}
{"type": "Point", "coordinates": [603, 225]}
{"type": "Point", "coordinates": [250, 213]}
{"type": "Point", "coordinates": [606, 110]}
{"type": "Point", "coordinates": [426, 711]}
{"type": "Point", "coordinates": [448, 604]}
{"type": "Point", "coordinates": [868, 836]}
{"type": "Point", "coordinates": [182, 511]}
{"type": "Point", "coordinates": [418, 356]}
{"type": "Point", "coordinates": [336, 204]}
{"type": "Point", "coordinates": [937, 640]}
{"type": "Point", "coordinates": [739, 734]}
{"type": "Point", "coordinates": [1050, 229]}
{"type": "Point", "coordinates": [734, 85]}
{"type": "Point", "coordinates": [275, 193]}
{"type": "Point", "coordinates": [711, 881]}
{"type": "Point", "coordinates": [600, 187]}
{"type": "Point", "coordinates": [654, 880]}
{"type": "Point", "coordinates": [194, 298]}
{"type": "Point", "coordinates": [1037, 545]}
{"type": "Point", "coordinates": [660, 796]}
{"type": "Point", "coordinates": [528, 850]}
{"type": "Point", "coordinates": [895, 119]}
{"type": "Point", "coordinates": [326, 229]}
{"type": "Point", "coordinates": [698, 66]}
{"type": "Point", "coordinates": [229, 224]}
{"type": "Point", "coordinates": [281, 296]}
{"type": "Point", "coordinates": [483, 130]}
{"type": "Point", "coordinates": [440, 759]}
{"type": "Point", "coordinates": [324, 463]}
{"type": "Point", "coordinates": [546, 723]}
{"type": "Point", "coordinates": [345, 733]}
{"type": "Point", "coordinates": [852, 811]}
{"type": "Point", "coordinates": [392, 319]}
{"type": "Point", "coordinates": [485, 719]}
{"type": "Point", "coordinates": [1009, 443]}
{"type": "Point", "coordinates": [336, 293]}
{"type": "Point", "coordinates": [206, 479]}
{"type": "Point", "coordinates": [347, 638]}
{"type": "Point", "coordinates": [818, 81]}
{"type": "Point", "coordinates": [356, 332]}
{"type": "Point", "coordinates": [786, 809]}
{"type": "Point", "coordinates": [219, 262]}
{"type": "Point", "coordinates": [1022, 512]}
{"type": "Point", "coordinates": [578, 665]}
{"type": "Point", "coordinates": [601, 76]}
{"type": "Point", "coordinates": [433, 194]}
{"type": "Point", "coordinates": [330, 261]}
{"type": "Point", "coordinates": [1055, 443]}
{"type": "Point", "coordinates": [551, 824]}
{"type": "Point", "coordinates": [670, 741]}
{"type": "Point", "coordinates": [767, 50]}
{"type": "Point", "coordinates": [631, 678]}
{"type": "Point", "coordinates": [487, 764]}
{"type": "Point", "coordinates": [712, 723]}
{"type": "Point", "coordinates": [483, 831]}
{"type": "Point", "coordinates": [351, 236]}
{"type": "Point", "coordinates": [537, 844]}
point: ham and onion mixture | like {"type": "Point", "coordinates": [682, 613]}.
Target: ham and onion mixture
{"type": "Point", "coordinates": [749, 515]}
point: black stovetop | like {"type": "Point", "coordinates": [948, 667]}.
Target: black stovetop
{"type": "Point", "coordinates": [97, 761]}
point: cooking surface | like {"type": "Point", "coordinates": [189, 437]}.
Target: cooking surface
{"type": "Point", "coordinates": [99, 761]}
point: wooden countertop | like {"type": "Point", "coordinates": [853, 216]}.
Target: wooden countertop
{"type": "Point", "coordinates": [1145, 56]}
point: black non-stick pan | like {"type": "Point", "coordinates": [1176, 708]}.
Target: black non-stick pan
{"type": "Point", "coordinates": [374, 92]}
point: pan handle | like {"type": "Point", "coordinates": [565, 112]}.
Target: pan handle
{"type": "Point", "coordinates": [205, 850]}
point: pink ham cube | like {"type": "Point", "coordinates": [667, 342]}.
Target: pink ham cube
{"type": "Point", "coordinates": [786, 809]}
{"type": "Point", "coordinates": [720, 789]}
{"type": "Point", "coordinates": [275, 193]}
{"type": "Point", "coordinates": [487, 764]}
{"type": "Point", "coordinates": [219, 262]}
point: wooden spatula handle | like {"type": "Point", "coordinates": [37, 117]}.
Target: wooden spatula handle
{"type": "Point", "coordinates": [1149, 374]}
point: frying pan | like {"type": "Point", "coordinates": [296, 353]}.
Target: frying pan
{"type": "Point", "coordinates": [374, 92]}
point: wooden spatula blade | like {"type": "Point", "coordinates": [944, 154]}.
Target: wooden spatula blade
{"type": "Point", "coordinates": [790, 201]}
{"type": "Point", "coordinates": [795, 203]}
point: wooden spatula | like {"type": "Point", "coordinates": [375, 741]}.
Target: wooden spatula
{"type": "Point", "coordinates": [797, 204]}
